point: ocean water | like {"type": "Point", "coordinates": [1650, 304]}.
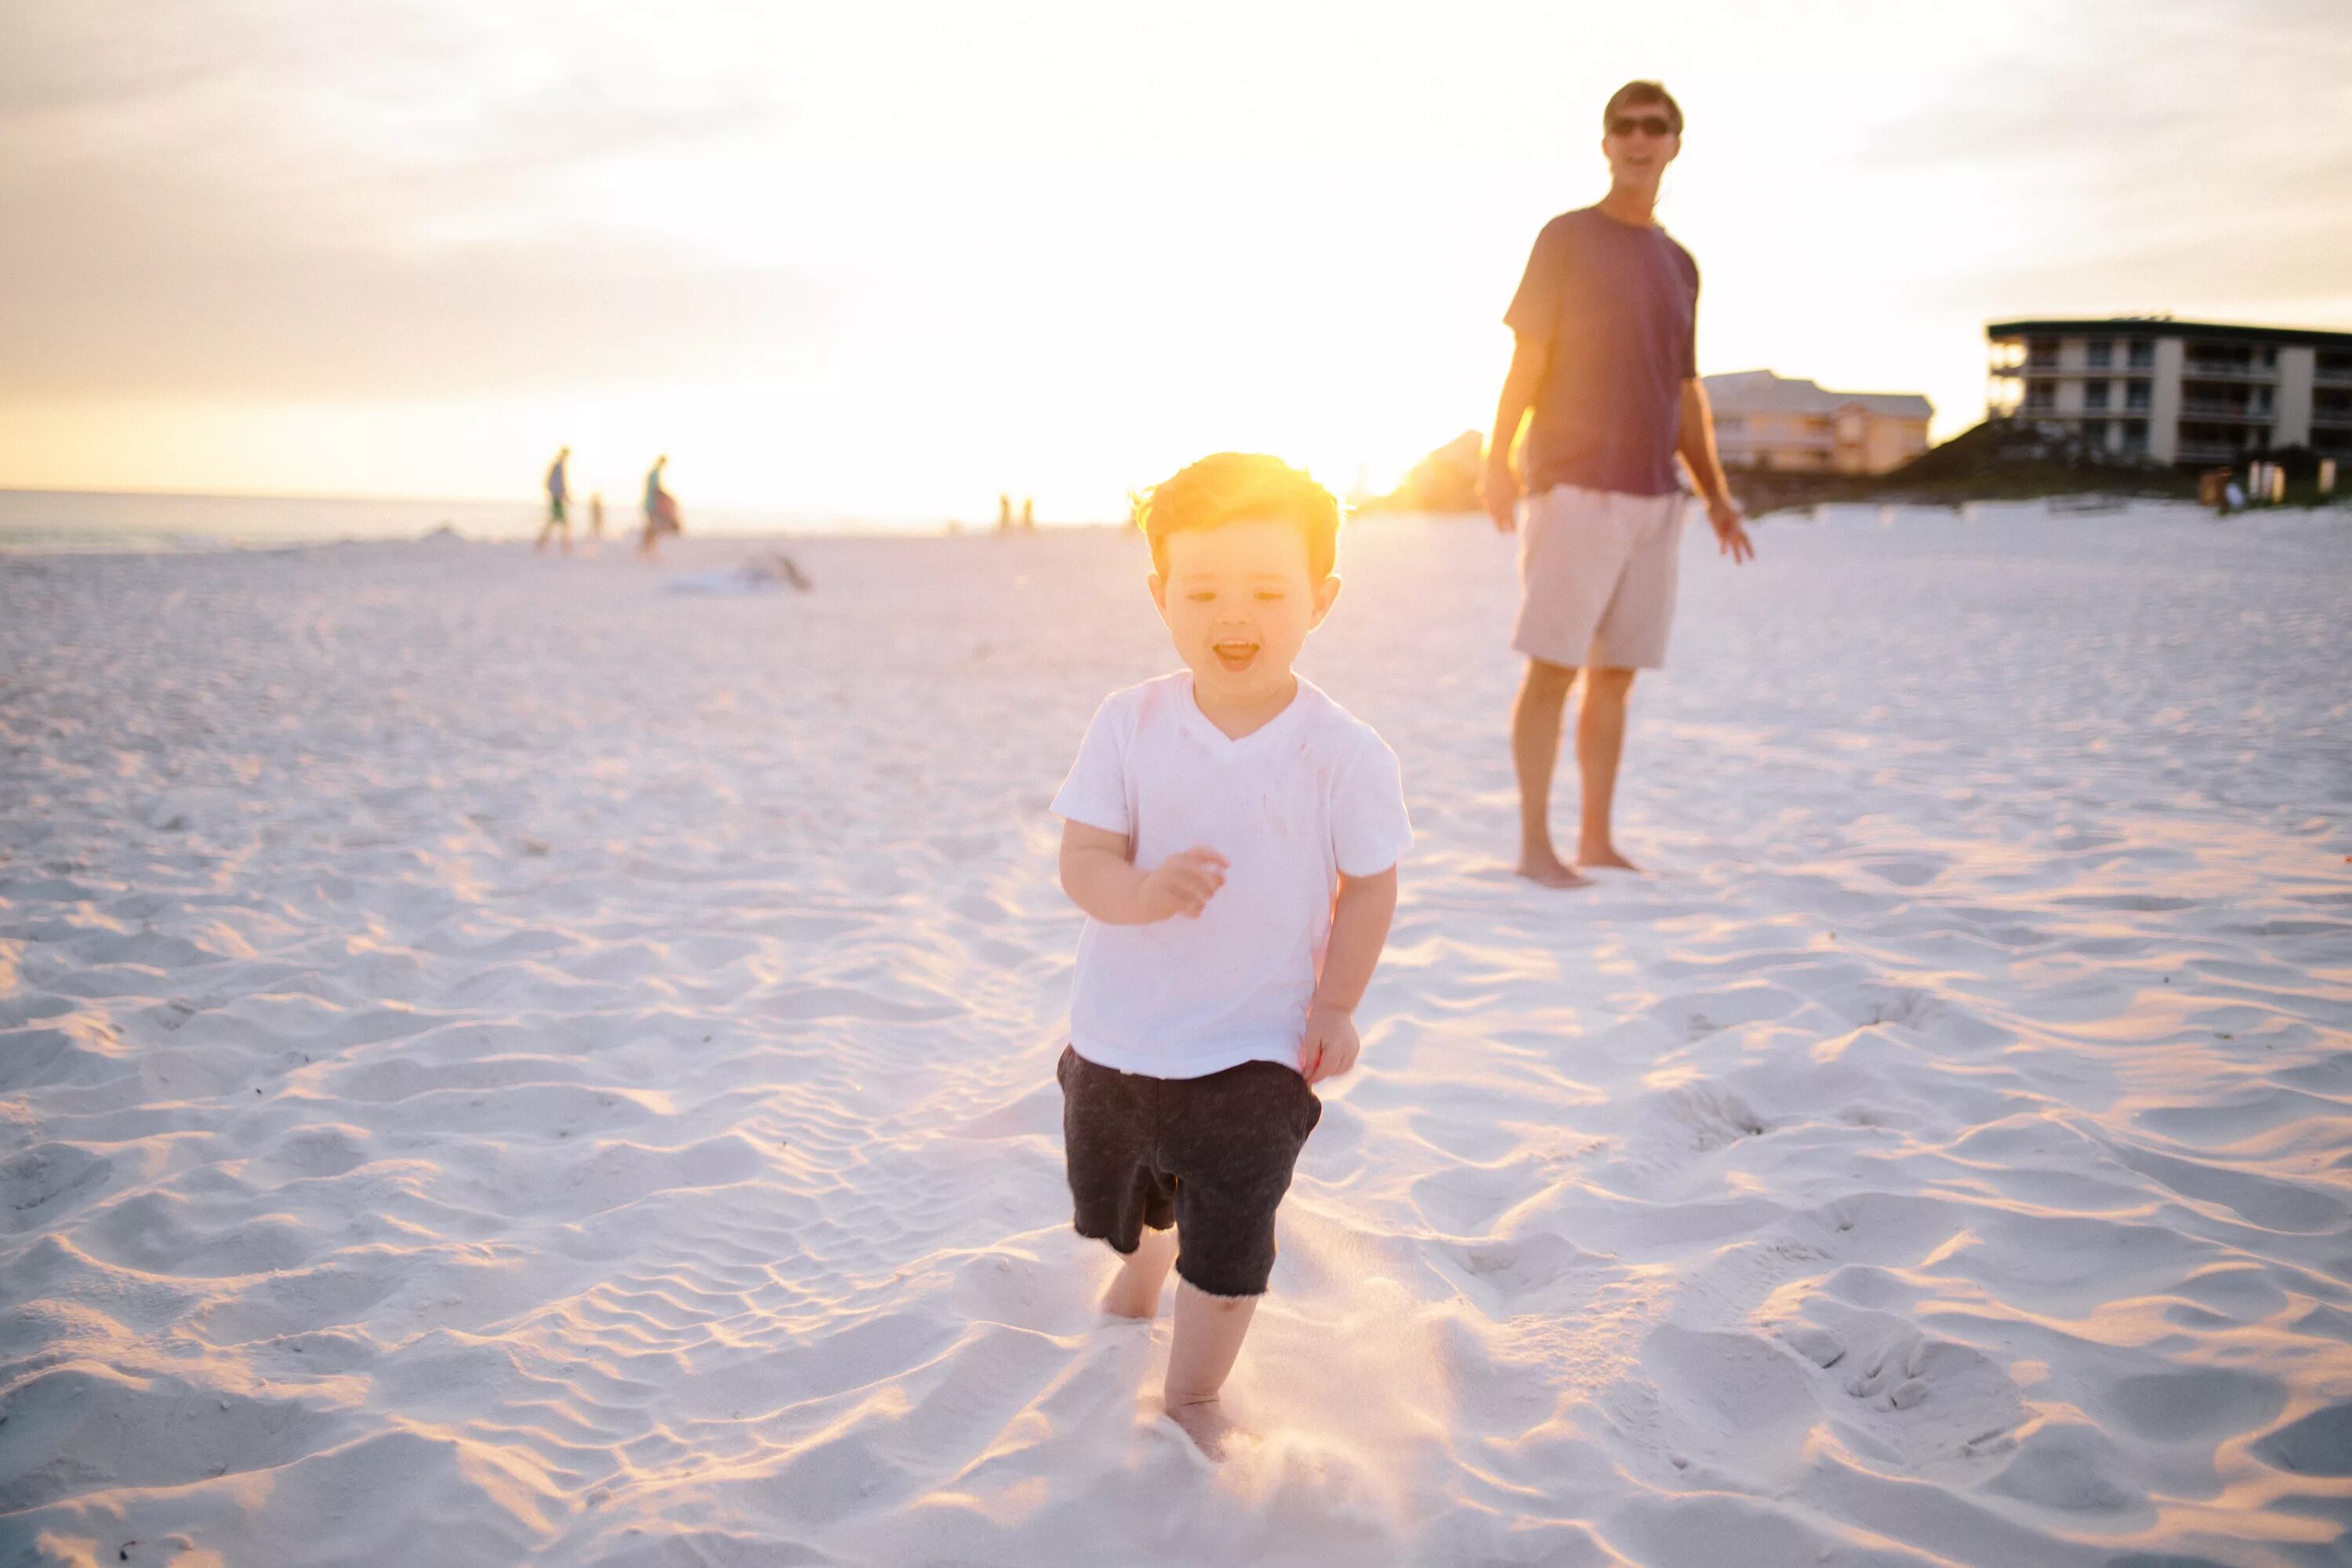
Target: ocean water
{"type": "Point", "coordinates": [40, 521]}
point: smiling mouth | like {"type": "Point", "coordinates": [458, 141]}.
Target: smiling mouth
{"type": "Point", "coordinates": [1235, 656]}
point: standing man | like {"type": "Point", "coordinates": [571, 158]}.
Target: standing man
{"type": "Point", "coordinates": [559, 491]}
{"type": "Point", "coordinates": [1604, 363]}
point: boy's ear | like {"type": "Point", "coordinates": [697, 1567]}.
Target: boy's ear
{"type": "Point", "coordinates": [1159, 587]}
{"type": "Point", "coordinates": [1327, 593]}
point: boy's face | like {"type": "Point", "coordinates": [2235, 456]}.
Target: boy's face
{"type": "Point", "coordinates": [1239, 602]}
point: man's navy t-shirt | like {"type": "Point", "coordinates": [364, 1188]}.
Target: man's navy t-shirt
{"type": "Point", "coordinates": [1617, 309]}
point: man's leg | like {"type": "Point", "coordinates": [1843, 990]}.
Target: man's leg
{"type": "Point", "coordinates": [1600, 743]}
{"type": "Point", "coordinates": [1135, 1290]}
{"type": "Point", "coordinates": [1535, 748]}
{"type": "Point", "coordinates": [1209, 1332]}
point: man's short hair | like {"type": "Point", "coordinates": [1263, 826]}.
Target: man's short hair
{"type": "Point", "coordinates": [1231, 487]}
{"type": "Point", "coordinates": [1634, 93]}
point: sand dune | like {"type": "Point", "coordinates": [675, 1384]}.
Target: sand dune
{"type": "Point", "coordinates": [499, 1063]}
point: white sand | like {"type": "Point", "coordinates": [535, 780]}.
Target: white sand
{"type": "Point", "coordinates": [499, 1062]}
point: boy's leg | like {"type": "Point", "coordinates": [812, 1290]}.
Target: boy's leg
{"type": "Point", "coordinates": [1233, 1142]}
{"type": "Point", "coordinates": [1599, 744]}
{"type": "Point", "coordinates": [1535, 748]}
{"type": "Point", "coordinates": [1209, 1334]}
{"type": "Point", "coordinates": [1115, 1197]}
{"type": "Point", "coordinates": [1135, 1290]}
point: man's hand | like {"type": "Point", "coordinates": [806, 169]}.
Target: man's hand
{"type": "Point", "coordinates": [1502, 493]}
{"type": "Point", "coordinates": [1183, 884]}
{"type": "Point", "coordinates": [1329, 1046]}
{"type": "Point", "coordinates": [1730, 528]}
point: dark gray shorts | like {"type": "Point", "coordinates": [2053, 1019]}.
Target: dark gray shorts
{"type": "Point", "coordinates": [1211, 1156]}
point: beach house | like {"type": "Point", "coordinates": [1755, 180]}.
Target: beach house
{"type": "Point", "coordinates": [1767, 421]}
{"type": "Point", "coordinates": [2192, 392]}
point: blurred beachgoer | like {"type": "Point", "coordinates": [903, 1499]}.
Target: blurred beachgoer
{"type": "Point", "coordinates": [661, 511]}
{"type": "Point", "coordinates": [1203, 1008]}
{"type": "Point", "coordinates": [559, 491]}
{"type": "Point", "coordinates": [1028, 514]}
{"type": "Point", "coordinates": [597, 515]}
{"type": "Point", "coordinates": [1604, 368]}
{"type": "Point", "coordinates": [1003, 514]}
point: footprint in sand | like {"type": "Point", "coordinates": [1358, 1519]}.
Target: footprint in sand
{"type": "Point", "coordinates": [2318, 1444]}
{"type": "Point", "coordinates": [45, 1182]}
{"type": "Point", "coordinates": [1516, 1267]}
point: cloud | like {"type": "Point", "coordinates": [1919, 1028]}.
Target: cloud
{"type": "Point", "coordinates": [2160, 124]}
{"type": "Point", "coordinates": [374, 199]}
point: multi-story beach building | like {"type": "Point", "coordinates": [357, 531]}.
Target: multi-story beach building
{"type": "Point", "coordinates": [1767, 421]}
{"type": "Point", "coordinates": [2192, 392]}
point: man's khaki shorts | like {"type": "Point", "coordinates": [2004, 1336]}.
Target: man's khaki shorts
{"type": "Point", "coordinates": [1597, 577]}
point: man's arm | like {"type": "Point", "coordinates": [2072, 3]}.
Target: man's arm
{"type": "Point", "coordinates": [1360, 930]}
{"type": "Point", "coordinates": [1100, 874]}
{"type": "Point", "coordinates": [1696, 445]}
{"type": "Point", "coordinates": [1528, 358]}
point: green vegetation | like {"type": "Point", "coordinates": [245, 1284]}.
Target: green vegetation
{"type": "Point", "coordinates": [1998, 461]}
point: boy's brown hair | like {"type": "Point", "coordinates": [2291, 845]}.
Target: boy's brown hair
{"type": "Point", "coordinates": [1229, 487]}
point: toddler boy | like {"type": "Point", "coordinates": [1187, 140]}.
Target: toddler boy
{"type": "Point", "coordinates": [1232, 834]}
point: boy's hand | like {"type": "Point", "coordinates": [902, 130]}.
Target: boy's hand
{"type": "Point", "coordinates": [1329, 1046]}
{"type": "Point", "coordinates": [1183, 884]}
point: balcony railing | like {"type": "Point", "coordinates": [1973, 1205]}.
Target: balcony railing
{"type": "Point", "coordinates": [2210, 452]}
{"type": "Point", "coordinates": [2226, 370]}
{"type": "Point", "coordinates": [2327, 376]}
{"type": "Point", "coordinates": [2236, 413]}
{"type": "Point", "coordinates": [2332, 418]}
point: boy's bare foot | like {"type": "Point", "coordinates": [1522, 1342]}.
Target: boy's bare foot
{"type": "Point", "coordinates": [1123, 1300]}
{"type": "Point", "coordinates": [1605, 854]}
{"type": "Point", "coordinates": [1545, 869]}
{"type": "Point", "coordinates": [1134, 1290]}
{"type": "Point", "coordinates": [1211, 1430]}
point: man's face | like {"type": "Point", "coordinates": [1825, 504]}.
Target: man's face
{"type": "Point", "coordinates": [1638, 142]}
{"type": "Point", "coordinates": [1239, 602]}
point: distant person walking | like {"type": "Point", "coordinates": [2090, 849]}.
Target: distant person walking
{"type": "Point", "coordinates": [1604, 368]}
{"type": "Point", "coordinates": [559, 491]}
{"type": "Point", "coordinates": [661, 511]}
{"type": "Point", "coordinates": [597, 515]}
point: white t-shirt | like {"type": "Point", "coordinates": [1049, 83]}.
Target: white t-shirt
{"type": "Point", "coordinates": [1311, 794]}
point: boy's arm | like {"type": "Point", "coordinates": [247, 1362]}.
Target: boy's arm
{"type": "Point", "coordinates": [1099, 873]}
{"type": "Point", "coordinates": [1359, 929]}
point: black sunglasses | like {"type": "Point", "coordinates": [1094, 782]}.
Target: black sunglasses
{"type": "Point", "coordinates": [1654, 124]}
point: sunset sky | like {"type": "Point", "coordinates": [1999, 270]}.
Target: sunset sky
{"type": "Point", "coordinates": [885, 260]}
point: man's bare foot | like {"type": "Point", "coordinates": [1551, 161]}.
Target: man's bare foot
{"type": "Point", "coordinates": [1606, 856]}
{"type": "Point", "coordinates": [1211, 1431]}
{"type": "Point", "coordinates": [1545, 869]}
